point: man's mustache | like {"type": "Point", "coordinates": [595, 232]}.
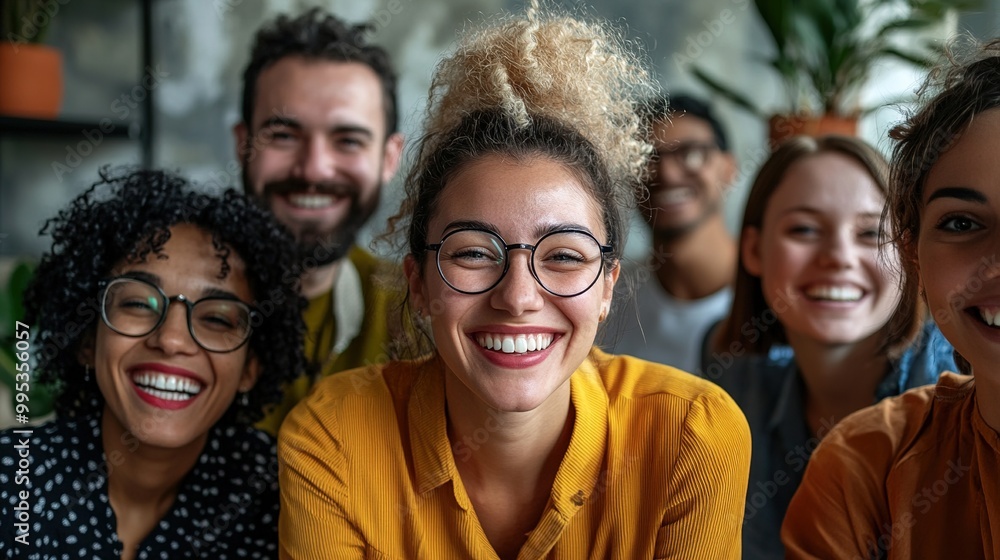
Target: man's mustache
{"type": "Point", "coordinates": [289, 186]}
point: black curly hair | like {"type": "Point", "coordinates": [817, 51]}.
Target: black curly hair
{"type": "Point", "coordinates": [317, 35]}
{"type": "Point", "coordinates": [125, 216]}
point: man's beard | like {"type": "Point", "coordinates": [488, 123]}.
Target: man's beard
{"type": "Point", "coordinates": [318, 247]}
{"type": "Point", "coordinates": [675, 233]}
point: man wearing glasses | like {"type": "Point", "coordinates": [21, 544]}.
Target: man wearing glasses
{"type": "Point", "coordinates": [684, 286]}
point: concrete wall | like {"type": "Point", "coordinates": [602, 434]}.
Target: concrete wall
{"type": "Point", "coordinates": [201, 48]}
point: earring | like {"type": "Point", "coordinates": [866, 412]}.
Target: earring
{"type": "Point", "coordinates": [603, 316]}
{"type": "Point", "coordinates": [86, 371]}
{"type": "Point", "coordinates": [244, 398]}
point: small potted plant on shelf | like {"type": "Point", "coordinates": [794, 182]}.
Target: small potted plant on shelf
{"type": "Point", "coordinates": [31, 82]}
{"type": "Point", "coordinates": [825, 51]}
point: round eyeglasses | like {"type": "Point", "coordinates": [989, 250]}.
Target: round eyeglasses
{"type": "Point", "coordinates": [565, 263]}
{"type": "Point", "coordinates": [134, 307]}
{"type": "Point", "coordinates": [692, 156]}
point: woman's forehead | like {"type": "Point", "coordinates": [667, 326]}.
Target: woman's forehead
{"type": "Point", "coordinates": [522, 197]}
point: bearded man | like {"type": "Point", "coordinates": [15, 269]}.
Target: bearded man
{"type": "Point", "coordinates": [317, 140]}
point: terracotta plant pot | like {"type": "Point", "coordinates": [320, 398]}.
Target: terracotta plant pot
{"type": "Point", "coordinates": [783, 127]}
{"type": "Point", "coordinates": [31, 80]}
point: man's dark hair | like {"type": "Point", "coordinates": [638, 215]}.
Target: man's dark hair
{"type": "Point", "coordinates": [660, 107]}
{"type": "Point", "coordinates": [318, 35]}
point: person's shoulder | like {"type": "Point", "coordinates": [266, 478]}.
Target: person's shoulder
{"type": "Point", "coordinates": [28, 454]}
{"type": "Point", "coordinates": [371, 267]}
{"type": "Point", "coordinates": [748, 373]}
{"type": "Point", "coordinates": [360, 392]}
{"type": "Point", "coordinates": [339, 389]}
{"type": "Point", "coordinates": [912, 408]}
{"type": "Point", "coordinates": [244, 453]}
{"type": "Point", "coordinates": [628, 377]}
{"type": "Point", "coordinates": [688, 412]}
{"type": "Point", "coordinates": [927, 357]}
{"type": "Point", "coordinates": [55, 437]}
{"type": "Point", "coordinates": [245, 440]}
{"type": "Point", "coordinates": [895, 424]}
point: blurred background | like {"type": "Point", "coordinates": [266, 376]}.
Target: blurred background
{"type": "Point", "coordinates": [158, 82]}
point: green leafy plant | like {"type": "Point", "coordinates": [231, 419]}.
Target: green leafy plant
{"type": "Point", "coordinates": [40, 399]}
{"type": "Point", "coordinates": [825, 50]}
{"type": "Point", "coordinates": [26, 21]}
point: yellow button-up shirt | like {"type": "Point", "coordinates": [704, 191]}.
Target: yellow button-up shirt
{"type": "Point", "coordinates": [657, 466]}
{"type": "Point", "coordinates": [346, 328]}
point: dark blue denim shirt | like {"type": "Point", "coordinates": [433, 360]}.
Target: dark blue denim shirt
{"type": "Point", "coordinates": [771, 393]}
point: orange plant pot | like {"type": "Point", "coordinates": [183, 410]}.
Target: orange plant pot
{"type": "Point", "coordinates": [31, 80]}
{"type": "Point", "coordinates": [783, 127]}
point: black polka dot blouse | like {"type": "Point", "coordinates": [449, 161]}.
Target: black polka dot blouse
{"type": "Point", "coordinates": [226, 507]}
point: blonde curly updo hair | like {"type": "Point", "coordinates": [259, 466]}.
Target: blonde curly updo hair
{"type": "Point", "coordinates": [541, 84]}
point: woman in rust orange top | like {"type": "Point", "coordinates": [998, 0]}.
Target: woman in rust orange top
{"type": "Point", "coordinates": [916, 476]}
{"type": "Point", "coordinates": [517, 439]}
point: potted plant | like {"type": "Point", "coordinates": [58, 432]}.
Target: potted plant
{"type": "Point", "coordinates": [30, 73]}
{"type": "Point", "coordinates": [825, 51]}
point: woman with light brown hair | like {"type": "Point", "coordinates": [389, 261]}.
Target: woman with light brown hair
{"type": "Point", "coordinates": [517, 438]}
{"type": "Point", "coordinates": [916, 476]}
{"type": "Point", "coordinates": [809, 340]}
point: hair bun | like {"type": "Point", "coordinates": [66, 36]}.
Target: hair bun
{"type": "Point", "coordinates": [577, 72]}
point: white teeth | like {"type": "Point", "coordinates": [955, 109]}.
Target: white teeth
{"type": "Point", "coordinates": [167, 395]}
{"type": "Point", "coordinates": [173, 383]}
{"type": "Point", "coordinates": [674, 196]}
{"type": "Point", "coordinates": [991, 317]}
{"type": "Point", "coordinates": [515, 344]}
{"type": "Point", "coordinates": [310, 200]}
{"type": "Point", "coordinates": [835, 293]}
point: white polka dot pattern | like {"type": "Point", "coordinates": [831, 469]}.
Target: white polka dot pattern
{"type": "Point", "coordinates": [226, 507]}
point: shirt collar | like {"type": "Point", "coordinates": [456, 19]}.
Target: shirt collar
{"type": "Point", "coordinates": [579, 474]}
{"type": "Point", "coordinates": [789, 409]}
{"type": "Point", "coordinates": [894, 383]}
{"type": "Point", "coordinates": [348, 303]}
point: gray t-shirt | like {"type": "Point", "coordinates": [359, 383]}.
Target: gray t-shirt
{"type": "Point", "coordinates": [655, 326]}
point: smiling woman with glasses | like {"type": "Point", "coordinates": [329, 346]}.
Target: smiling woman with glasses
{"type": "Point", "coordinates": [566, 262]}
{"type": "Point", "coordinates": [147, 315]}
{"type": "Point", "coordinates": [136, 307]}
{"type": "Point", "coordinates": [517, 438]}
